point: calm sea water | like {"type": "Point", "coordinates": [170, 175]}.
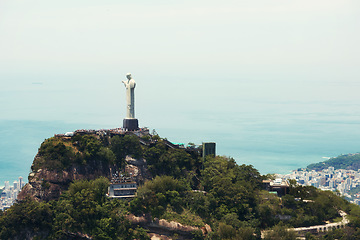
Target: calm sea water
{"type": "Point", "coordinates": [273, 141]}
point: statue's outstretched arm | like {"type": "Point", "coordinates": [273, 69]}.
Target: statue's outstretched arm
{"type": "Point", "coordinates": [125, 83]}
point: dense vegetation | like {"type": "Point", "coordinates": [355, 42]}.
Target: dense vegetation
{"type": "Point", "coordinates": [59, 153]}
{"type": "Point", "coordinates": [82, 210]}
{"type": "Point", "coordinates": [348, 161]}
{"type": "Point", "coordinates": [184, 188]}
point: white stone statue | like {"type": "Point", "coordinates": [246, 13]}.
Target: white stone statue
{"type": "Point", "coordinates": [130, 99]}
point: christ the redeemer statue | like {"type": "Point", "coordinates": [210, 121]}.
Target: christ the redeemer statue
{"type": "Point", "coordinates": [130, 123]}
{"type": "Point", "coordinates": [130, 100]}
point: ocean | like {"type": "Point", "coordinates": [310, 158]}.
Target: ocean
{"type": "Point", "coordinates": [275, 140]}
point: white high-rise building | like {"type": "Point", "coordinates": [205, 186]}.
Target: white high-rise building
{"type": "Point", "coordinates": [341, 188]}
{"type": "Point", "coordinates": [15, 193]}
{"type": "Point", "coordinates": [7, 185]}
{"type": "Point", "coordinates": [21, 183]}
{"type": "Point", "coordinates": [332, 183]}
{"type": "Point", "coordinates": [347, 184]}
{"type": "Point", "coordinates": [16, 185]}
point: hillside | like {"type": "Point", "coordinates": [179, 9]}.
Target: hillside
{"type": "Point", "coordinates": [347, 161]}
{"type": "Point", "coordinates": [62, 160]}
{"type": "Point", "coordinates": [180, 196]}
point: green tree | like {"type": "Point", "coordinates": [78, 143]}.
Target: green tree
{"type": "Point", "coordinates": [26, 217]}
{"type": "Point", "coordinates": [155, 195]}
{"type": "Point", "coordinates": [233, 187]}
{"type": "Point", "coordinates": [85, 209]}
{"type": "Point", "coordinates": [280, 232]}
{"type": "Point", "coordinates": [54, 155]}
{"type": "Point", "coordinates": [126, 145]}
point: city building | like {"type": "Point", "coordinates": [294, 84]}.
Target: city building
{"type": "Point", "coordinates": [9, 193]}
{"type": "Point", "coordinates": [345, 182]}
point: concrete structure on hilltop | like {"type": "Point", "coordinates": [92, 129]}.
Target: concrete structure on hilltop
{"type": "Point", "coordinates": [122, 186]}
{"type": "Point", "coordinates": [122, 190]}
{"type": "Point", "coordinates": [281, 187]}
{"type": "Point", "coordinates": [209, 148]}
{"type": "Point", "coordinates": [130, 123]}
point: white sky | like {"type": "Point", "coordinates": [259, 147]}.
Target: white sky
{"type": "Point", "coordinates": [268, 80]}
{"type": "Point", "coordinates": [214, 54]}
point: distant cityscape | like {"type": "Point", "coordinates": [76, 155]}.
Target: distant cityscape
{"type": "Point", "coordinates": [346, 182]}
{"type": "Point", "coordinates": [10, 192]}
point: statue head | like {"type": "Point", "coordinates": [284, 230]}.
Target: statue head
{"type": "Point", "coordinates": [128, 75]}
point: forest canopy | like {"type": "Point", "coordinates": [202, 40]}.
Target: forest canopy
{"type": "Point", "coordinates": [185, 187]}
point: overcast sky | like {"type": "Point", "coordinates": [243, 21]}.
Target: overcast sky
{"type": "Point", "coordinates": [275, 83]}
{"type": "Point", "coordinates": [70, 55]}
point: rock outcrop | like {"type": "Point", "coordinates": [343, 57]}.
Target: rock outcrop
{"type": "Point", "coordinates": [46, 185]}
{"type": "Point", "coordinates": [163, 229]}
{"type": "Point", "coordinates": [62, 160]}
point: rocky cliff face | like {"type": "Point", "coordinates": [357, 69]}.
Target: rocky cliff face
{"type": "Point", "coordinates": [62, 160]}
{"type": "Point", "coordinates": [46, 185]}
{"type": "Point", "coordinates": [163, 229]}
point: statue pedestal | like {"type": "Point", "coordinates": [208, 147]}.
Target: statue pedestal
{"type": "Point", "coordinates": [130, 124]}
